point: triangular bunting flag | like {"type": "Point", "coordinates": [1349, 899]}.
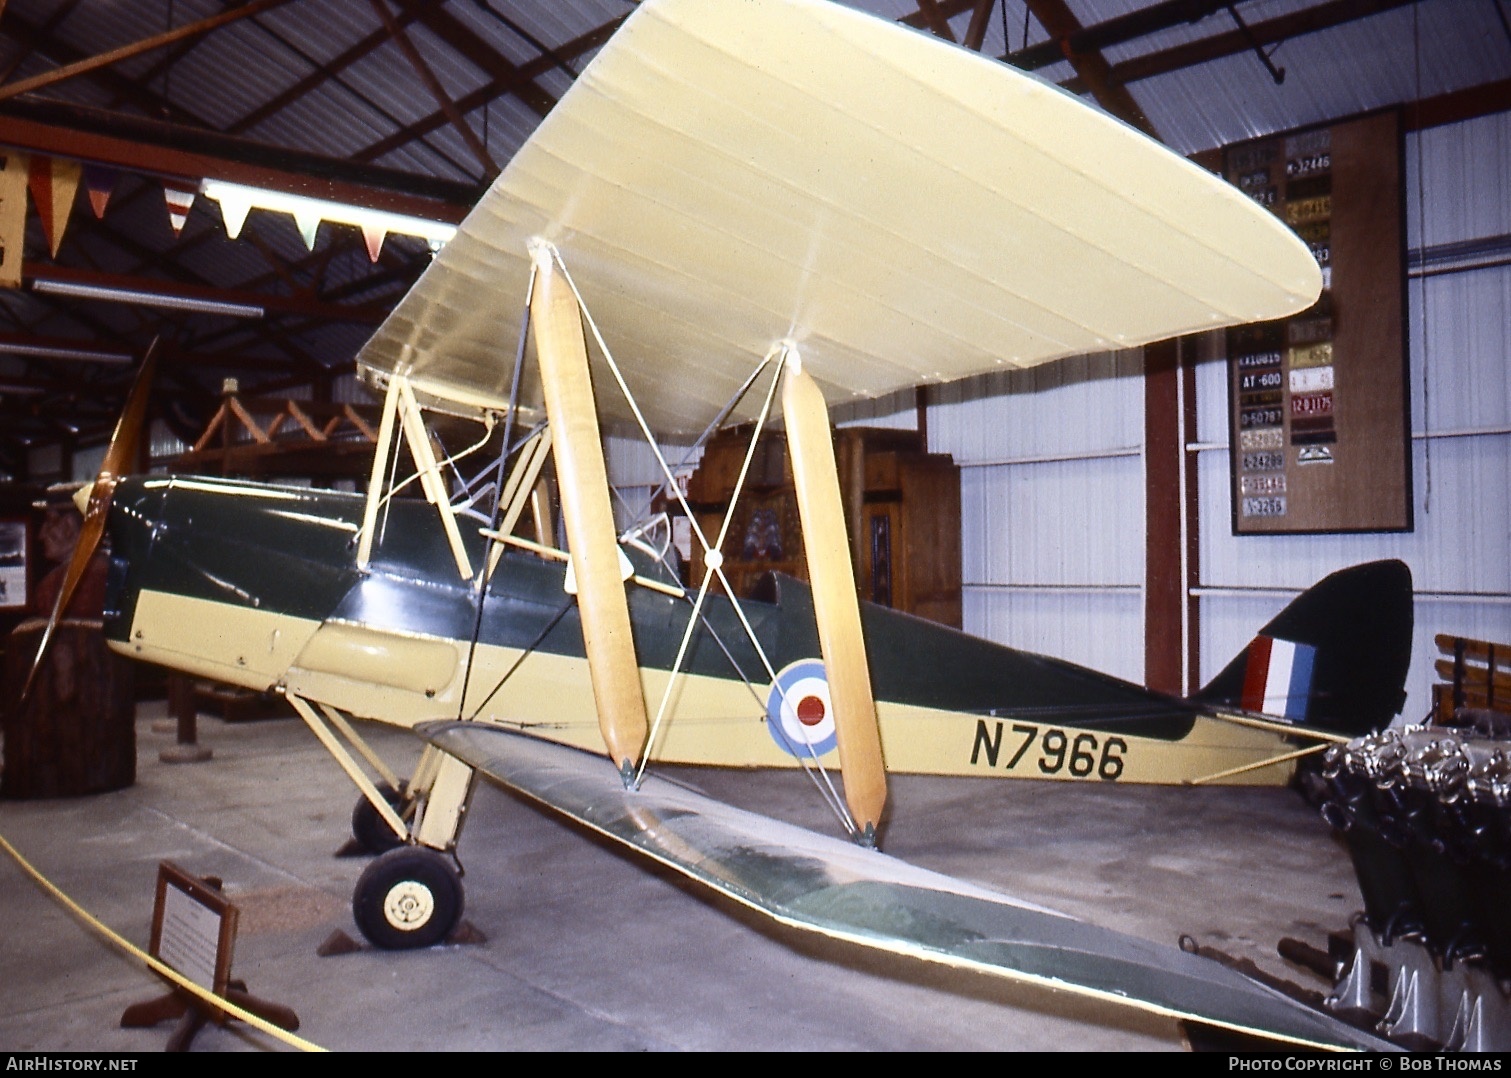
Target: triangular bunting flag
{"type": "Point", "coordinates": [54, 181]}
{"type": "Point", "coordinates": [308, 224]}
{"type": "Point", "coordinates": [374, 238]}
{"type": "Point", "coordinates": [100, 182]}
{"type": "Point", "coordinates": [180, 198]}
{"type": "Point", "coordinates": [233, 211]}
{"type": "Point", "coordinates": [14, 171]}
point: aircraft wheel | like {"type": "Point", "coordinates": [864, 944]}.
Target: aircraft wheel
{"type": "Point", "coordinates": [408, 898]}
{"type": "Point", "coordinates": [369, 829]}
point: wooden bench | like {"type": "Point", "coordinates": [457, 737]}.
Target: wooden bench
{"type": "Point", "coordinates": [1474, 675]}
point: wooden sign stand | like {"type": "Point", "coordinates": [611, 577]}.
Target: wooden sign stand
{"type": "Point", "coordinates": [194, 933]}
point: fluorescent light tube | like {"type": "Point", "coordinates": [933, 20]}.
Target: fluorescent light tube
{"type": "Point", "coordinates": [149, 299]}
{"type": "Point", "coordinates": [236, 200]}
{"type": "Point", "coordinates": [50, 351]}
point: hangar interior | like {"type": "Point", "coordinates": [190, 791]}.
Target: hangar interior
{"type": "Point", "coordinates": [1104, 500]}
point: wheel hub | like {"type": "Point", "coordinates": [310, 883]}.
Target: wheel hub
{"type": "Point", "coordinates": [408, 905]}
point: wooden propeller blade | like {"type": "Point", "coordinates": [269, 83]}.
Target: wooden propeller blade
{"type": "Point", "coordinates": [120, 457]}
{"type": "Point", "coordinates": [835, 605]}
{"type": "Point", "coordinates": [606, 632]}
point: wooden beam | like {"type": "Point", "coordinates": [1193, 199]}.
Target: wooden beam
{"type": "Point", "coordinates": [1061, 23]}
{"type": "Point", "coordinates": [326, 71]}
{"type": "Point", "coordinates": [148, 148]}
{"type": "Point", "coordinates": [114, 56]}
{"type": "Point", "coordinates": [461, 38]}
{"type": "Point", "coordinates": [1310, 20]}
{"type": "Point", "coordinates": [1170, 528]}
{"type": "Point", "coordinates": [437, 91]}
{"type": "Point", "coordinates": [975, 33]}
{"type": "Point", "coordinates": [498, 87]}
{"type": "Point", "coordinates": [937, 23]}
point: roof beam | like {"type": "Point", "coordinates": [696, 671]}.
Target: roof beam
{"type": "Point", "coordinates": [1063, 26]}
{"type": "Point", "coordinates": [1311, 20]}
{"type": "Point", "coordinates": [437, 91]}
{"type": "Point", "coordinates": [114, 56]}
{"type": "Point", "coordinates": [484, 57]}
{"type": "Point", "coordinates": [326, 71]}
{"type": "Point", "coordinates": [975, 33]}
{"type": "Point", "coordinates": [1115, 31]}
{"type": "Point", "coordinates": [40, 41]}
{"type": "Point", "coordinates": [938, 23]}
{"type": "Point", "coordinates": [499, 87]}
{"type": "Point", "coordinates": [165, 150]}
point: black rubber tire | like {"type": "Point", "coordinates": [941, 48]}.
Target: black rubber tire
{"type": "Point", "coordinates": [408, 898]}
{"type": "Point", "coordinates": [369, 829]}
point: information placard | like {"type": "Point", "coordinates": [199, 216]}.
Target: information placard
{"type": "Point", "coordinates": [193, 928]}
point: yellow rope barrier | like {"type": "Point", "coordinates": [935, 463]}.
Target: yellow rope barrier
{"type": "Point", "coordinates": [152, 963]}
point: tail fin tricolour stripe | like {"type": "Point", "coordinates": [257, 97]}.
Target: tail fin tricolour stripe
{"type": "Point", "coordinates": [1278, 680]}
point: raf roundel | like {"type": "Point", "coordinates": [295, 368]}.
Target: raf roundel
{"type": "Point", "coordinates": [798, 712]}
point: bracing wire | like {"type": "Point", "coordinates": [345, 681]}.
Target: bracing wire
{"type": "Point", "coordinates": [480, 589]}
{"type": "Point", "coordinates": [778, 353]}
{"type": "Point", "coordinates": [692, 621]}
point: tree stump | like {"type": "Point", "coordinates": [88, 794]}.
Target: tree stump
{"type": "Point", "coordinates": [76, 733]}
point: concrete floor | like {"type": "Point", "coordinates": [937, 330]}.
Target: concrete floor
{"type": "Point", "coordinates": [588, 950]}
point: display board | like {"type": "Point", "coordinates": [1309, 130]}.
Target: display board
{"type": "Point", "coordinates": [1319, 406]}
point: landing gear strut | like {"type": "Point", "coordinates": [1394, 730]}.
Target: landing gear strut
{"type": "Point", "coordinates": [370, 829]}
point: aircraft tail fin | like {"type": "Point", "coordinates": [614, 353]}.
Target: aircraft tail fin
{"type": "Point", "coordinates": [1335, 658]}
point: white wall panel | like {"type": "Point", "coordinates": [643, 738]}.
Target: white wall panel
{"type": "Point", "coordinates": [1081, 628]}
{"type": "Point", "coordinates": [347, 390]}
{"type": "Point", "coordinates": [636, 475]}
{"type": "Point", "coordinates": [1077, 405]}
{"type": "Point", "coordinates": [162, 443]}
{"type": "Point", "coordinates": [1052, 506]}
{"type": "Point", "coordinates": [1060, 523]}
{"type": "Point", "coordinates": [1465, 166]}
{"type": "Point", "coordinates": [1460, 341]}
{"type": "Point", "coordinates": [87, 462]}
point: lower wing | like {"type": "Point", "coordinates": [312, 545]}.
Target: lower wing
{"type": "Point", "coordinates": [833, 887]}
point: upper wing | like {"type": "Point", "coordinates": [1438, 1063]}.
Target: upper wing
{"type": "Point", "coordinates": [724, 176]}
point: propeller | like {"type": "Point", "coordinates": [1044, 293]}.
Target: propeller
{"type": "Point", "coordinates": [120, 457]}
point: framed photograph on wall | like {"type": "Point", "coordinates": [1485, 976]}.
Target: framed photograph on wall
{"type": "Point", "coordinates": [15, 566]}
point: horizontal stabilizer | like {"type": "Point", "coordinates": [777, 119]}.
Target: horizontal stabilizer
{"type": "Point", "coordinates": [831, 886]}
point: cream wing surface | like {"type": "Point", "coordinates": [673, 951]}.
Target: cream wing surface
{"type": "Point", "coordinates": [723, 176]}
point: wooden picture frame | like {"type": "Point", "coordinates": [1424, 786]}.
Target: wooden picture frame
{"type": "Point", "coordinates": [193, 929]}
{"type": "Point", "coordinates": [1319, 403]}
{"type": "Point", "coordinates": [15, 564]}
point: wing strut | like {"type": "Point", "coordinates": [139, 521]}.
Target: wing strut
{"type": "Point", "coordinates": [562, 351]}
{"type": "Point", "coordinates": [402, 410]}
{"type": "Point", "coordinates": [836, 607]}
{"type": "Point", "coordinates": [840, 634]}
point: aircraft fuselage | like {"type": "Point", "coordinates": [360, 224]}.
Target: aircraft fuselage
{"type": "Point", "coordinates": [257, 586]}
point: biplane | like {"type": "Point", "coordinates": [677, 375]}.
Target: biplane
{"type": "Point", "coordinates": [744, 213]}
